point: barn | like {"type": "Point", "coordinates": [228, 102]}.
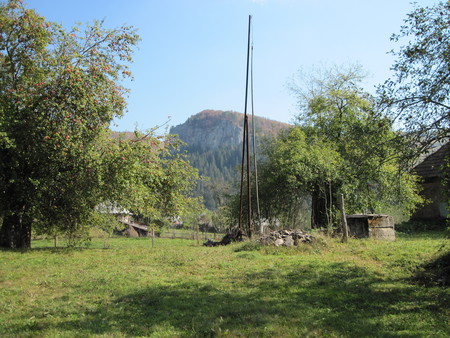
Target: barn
{"type": "Point", "coordinates": [431, 170]}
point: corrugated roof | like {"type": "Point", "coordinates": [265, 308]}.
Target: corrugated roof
{"type": "Point", "coordinates": [432, 165]}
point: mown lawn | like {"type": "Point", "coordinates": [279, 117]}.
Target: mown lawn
{"type": "Point", "coordinates": [359, 289]}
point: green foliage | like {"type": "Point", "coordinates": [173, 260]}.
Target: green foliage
{"type": "Point", "coordinates": [59, 92]}
{"type": "Point", "coordinates": [418, 94]}
{"type": "Point", "coordinates": [217, 168]}
{"type": "Point", "coordinates": [222, 219]}
{"type": "Point", "coordinates": [341, 145]}
{"type": "Point", "coordinates": [104, 221]}
{"type": "Point", "coordinates": [295, 166]}
{"type": "Point", "coordinates": [418, 225]}
{"type": "Point", "coordinates": [148, 175]}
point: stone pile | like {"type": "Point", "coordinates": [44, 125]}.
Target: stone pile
{"type": "Point", "coordinates": [286, 238]}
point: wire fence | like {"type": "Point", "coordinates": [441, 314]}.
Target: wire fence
{"type": "Point", "coordinates": [190, 234]}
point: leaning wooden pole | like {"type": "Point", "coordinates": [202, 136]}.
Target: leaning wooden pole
{"type": "Point", "coordinates": [246, 150]}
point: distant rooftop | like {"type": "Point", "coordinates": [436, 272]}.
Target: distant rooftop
{"type": "Point", "coordinates": [431, 166]}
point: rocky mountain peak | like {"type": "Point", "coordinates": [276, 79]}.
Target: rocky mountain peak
{"type": "Point", "coordinates": [213, 129]}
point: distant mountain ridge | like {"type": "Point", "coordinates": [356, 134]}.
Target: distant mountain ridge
{"type": "Point", "coordinates": [214, 144]}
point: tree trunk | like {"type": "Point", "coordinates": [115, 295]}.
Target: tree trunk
{"type": "Point", "coordinates": [323, 198]}
{"type": "Point", "coordinates": [15, 232]}
{"type": "Point", "coordinates": [319, 217]}
{"type": "Point", "coordinates": [344, 221]}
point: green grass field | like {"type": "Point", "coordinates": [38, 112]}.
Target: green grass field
{"type": "Point", "coordinates": [359, 289]}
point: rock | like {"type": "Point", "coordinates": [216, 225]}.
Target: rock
{"type": "Point", "coordinates": [285, 232]}
{"type": "Point", "coordinates": [286, 238]}
{"type": "Point", "coordinates": [278, 242]}
{"type": "Point", "coordinates": [308, 239]}
{"type": "Point", "coordinates": [288, 241]}
{"type": "Point", "coordinates": [266, 241]}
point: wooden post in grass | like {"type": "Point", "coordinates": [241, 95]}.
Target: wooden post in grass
{"type": "Point", "coordinates": [198, 234]}
{"type": "Point", "coordinates": [344, 221]}
{"type": "Point", "coordinates": [153, 237]}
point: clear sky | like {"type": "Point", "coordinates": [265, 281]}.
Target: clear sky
{"type": "Point", "coordinates": [193, 52]}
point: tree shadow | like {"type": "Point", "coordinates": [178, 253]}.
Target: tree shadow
{"type": "Point", "coordinates": [53, 250]}
{"type": "Point", "coordinates": [340, 299]}
{"type": "Point", "coordinates": [435, 272]}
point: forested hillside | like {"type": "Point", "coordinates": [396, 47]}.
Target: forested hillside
{"type": "Point", "coordinates": [214, 144]}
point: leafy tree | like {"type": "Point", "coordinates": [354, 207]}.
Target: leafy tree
{"type": "Point", "coordinates": [59, 92]}
{"type": "Point", "coordinates": [340, 145]}
{"type": "Point", "coordinates": [418, 93]}
{"type": "Point", "coordinates": [296, 166]}
{"type": "Point", "coordinates": [221, 219]}
{"type": "Point", "coordinates": [148, 175]}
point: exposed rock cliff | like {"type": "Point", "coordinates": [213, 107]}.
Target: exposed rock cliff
{"type": "Point", "coordinates": [214, 145]}
{"type": "Point", "coordinates": [213, 129]}
{"type": "Point", "coordinates": [210, 130]}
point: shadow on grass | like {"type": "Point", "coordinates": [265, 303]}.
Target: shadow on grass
{"type": "Point", "coordinates": [53, 250]}
{"type": "Point", "coordinates": [435, 272]}
{"type": "Point", "coordinates": [337, 299]}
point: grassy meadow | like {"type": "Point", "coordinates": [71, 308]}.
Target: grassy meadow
{"type": "Point", "coordinates": [359, 289]}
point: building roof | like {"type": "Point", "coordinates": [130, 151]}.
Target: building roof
{"type": "Point", "coordinates": [432, 165]}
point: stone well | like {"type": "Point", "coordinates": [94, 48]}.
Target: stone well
{"type": "Point", "coordinates": [372, 226]}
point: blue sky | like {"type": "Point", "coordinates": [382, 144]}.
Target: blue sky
{"type": "Point", "coordinates": [193, 52]}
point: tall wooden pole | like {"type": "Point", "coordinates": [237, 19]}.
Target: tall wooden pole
{"type": "Point", "coordinates": [255, 165]}
{"type": "Point", "coordinates": [246, 148]}
{"type": "Point", "coordinates": [241, 202]}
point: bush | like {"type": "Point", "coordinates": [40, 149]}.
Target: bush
{"type": "Point", "coordinates": [422, 225]}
